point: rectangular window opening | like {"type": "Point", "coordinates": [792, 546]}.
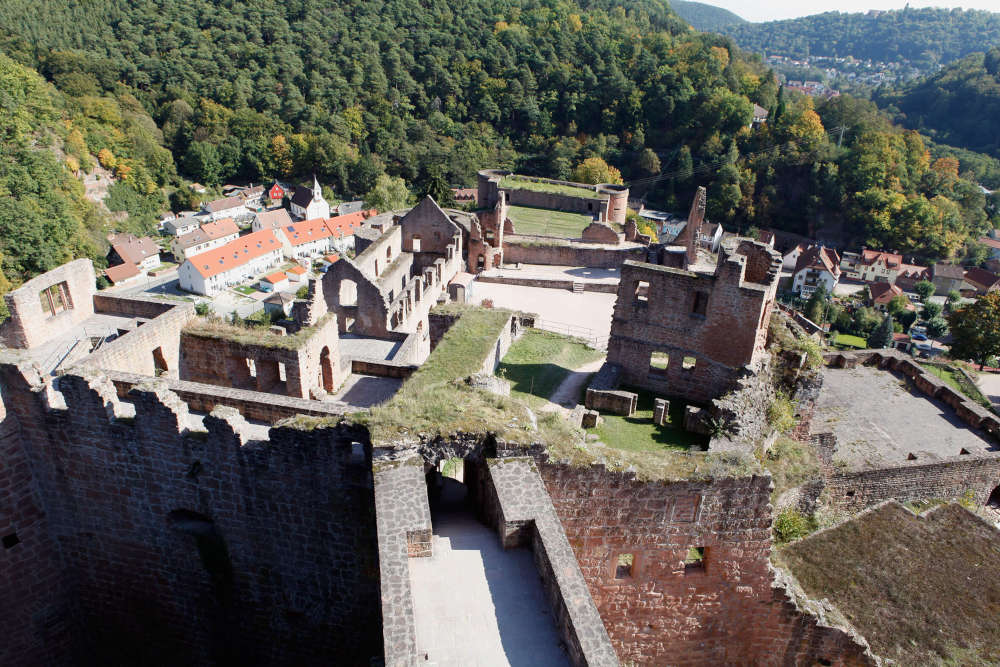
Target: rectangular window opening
{"type": "Point", "coordinates": [11, 540]}
{"type": "Point", "coordinates": [700, 306]}
{"type": "Point", "coordinates": [642, 292]}
{"type": "Point", "coordinates": [253, 368]}
{"type": "Point", "coordinates": [658, 363]}
{"type": "Point", "coordinates": [281, 371]}
{"type": "Point", "coordinates": [689, 363]}
{"type": "Point", "coordinates": [624, 565]}
{"type": "Point", "coordinates": [695, 560]}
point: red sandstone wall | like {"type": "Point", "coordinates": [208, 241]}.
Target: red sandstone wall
{"type": "Point", "coordinates": [528, 252]}
{"type": "Point", "coordinates": [725, 613]}
{"type": "Point", "coordinates": [133, 351]}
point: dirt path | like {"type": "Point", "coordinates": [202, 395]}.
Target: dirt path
{"type": "Point", "coordinates": [568, 392]}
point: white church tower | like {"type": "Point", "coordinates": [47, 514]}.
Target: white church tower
{"type": "Point", "coordinates": [308, 204]}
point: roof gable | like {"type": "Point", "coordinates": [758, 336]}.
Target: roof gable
{"type": "Point", "coordinates": [235, 253]}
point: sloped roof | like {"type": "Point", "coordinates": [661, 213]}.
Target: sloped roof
{"type": "Point", "coordinates": [306, 231]}
{"type": "Point", "coordinates": [332, 257]}
{"type": "Point", "coordinates": [117, 274]}
{"type": "Point", "coordinates": [949, 271]}
{"type": "Point", "coordinates": [345, 225]}
{"type": "Point", "coordinates": [981, 278]}
{"type": "Point", "coordinates": [235, 253]}
{"type": "Point", "coordinates": [134, 249]}
{"type": "Point", "coordinates": [223, 204]}
{"type": "Point", "coordinates": [819, 258]}
{"type": "Point", "coordinates": [275, 278]}
{"type": "Point", "coordinates": [303, 196]}
{"type": "Point", "coordinates": [274, 219]}
{"type": "Point", "coordinates": [890, 259]}
{"type": "Point", "coordinates": [280, 298]}
{"type": "Point", "coordinates": [991, 242]}
{"type": "Point", "coordinates": [297, 270]}
{"type": "Point", "coordinates": [883, 292]}
{"type": "Point", "coordinates": [220, 228]}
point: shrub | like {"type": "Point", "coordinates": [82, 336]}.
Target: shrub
{"type": "Point", "coordinates": [202, 308]}
{"type": "Point", "coordinates": [791, 525]}
{"type": "Point", "coordinates": [781, 413]}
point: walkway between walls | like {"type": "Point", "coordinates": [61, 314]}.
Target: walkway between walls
{"type": "Point", "coordinates": [473, 602]}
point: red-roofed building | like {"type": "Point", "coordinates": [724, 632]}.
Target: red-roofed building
{"type": "Point", "coordinates": [210, 272]}
{"type": "Point", "coordinates": [329, 260]}
{"type": "Point", "coordinates": [131, 249]}
{"type": "Point", "coordinates": [882, 293]}
{"type": "Point", "coordinates": [274, 282]}
{"type": "Point", "coordinates": [306, 238]}
{"type": "Point", "coordinates": [911, 274]}
{"type": "Point", "coordinates": [982, 281]}
{"type": "Point", "coordinates": [342, 227]}
{"type": "Point", "coordinates": [123, 273]}
{"type": "Point", "coordinates": [814, 267]}
{"type": "Point", "coordinates": [209, 235]}
{"type": "Point", "coordinates": [872, 266]}
{"type": "Point", "coordinates": [296, 273]}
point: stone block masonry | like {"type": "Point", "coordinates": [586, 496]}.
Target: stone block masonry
{"type": "Point", "coordinates": [49, 305]}
{"type": "Point", "coordinates": [186, 548]}
{"type": "Point", "coordinates": [150, 349]}
{"type": "Point", "coordinates": [680, 571]}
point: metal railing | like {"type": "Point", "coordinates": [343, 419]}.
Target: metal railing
{"type": "Point", "coordinates": [583, 333]}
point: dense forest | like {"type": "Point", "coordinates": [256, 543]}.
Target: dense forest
{"type": "Point", "coordinates": [377, 97]}
{"type": "Point", "coordinates": [921, 37]}
{"type": "Point", "coordinates": [705, 17]}
{"type": "Point", "coordinates": [958, 105]}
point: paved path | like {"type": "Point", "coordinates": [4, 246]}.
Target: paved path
{"type": "Point", "coordinates": [989, 384]}
{"type": "Point", "coordinates": [476, 604]}
{"type": "Point", "coordinates": [567, 394]}
{"type": "Point", "coordinates": [588, 310]}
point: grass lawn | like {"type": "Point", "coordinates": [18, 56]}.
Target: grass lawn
{"type": "Point", "coordinates": [850, 341]}
{"type": "Point", "coordinates": [638, 433]}
{"type": "Point", "coordinates": [243, 289]}
{"type": "Point", "coordinates": [958, 383]}
{"type": "Point", "coordinates": [537, 363]}
{"type": "Point", "coordinates": [544, 222]}
{"type": "Point", "coordinates": [520, 183]}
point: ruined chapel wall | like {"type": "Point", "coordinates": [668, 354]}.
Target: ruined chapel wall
{"type": "Point", "coordinates": [125, 498]}
{"type": "Point", "coordinates": [29, 325]}
{"type": "Point", "coordinates": [133, 352]}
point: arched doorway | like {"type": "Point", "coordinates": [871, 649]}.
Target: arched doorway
{"type": "Point", "coordinates": [326, 370]}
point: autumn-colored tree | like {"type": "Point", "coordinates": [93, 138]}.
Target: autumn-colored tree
{"type": "Point", "coordinates": [595, 170]}
{"type": "Point", "coordinates": [107, 158]}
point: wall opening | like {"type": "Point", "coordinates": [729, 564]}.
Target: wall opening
{"type": "Point", "coordinates": [695, 560]}
{"type": "Point", "coordinates": [658, 363]}
{"type": "Point", "coordinates": [159, 362]}
{"type": "Point", "coordinates": [994, 499]}
{"type": "Point", "coordinates": [55, 299]}
{"type": "Point", "coordinates": [415, 243]}
{"type": "Point", "coordinates": [489, 237]}
{"type": "Point", "coordinates": [641, 292]}
{"type": "Point", "coordinates": [348, 295]}
{"type": "Point", "coordinates": [326, 370]}
{"type": "Point", "coordinates": [480, 263]}
{"type": "Point", "coordinates": [624, 565]}
{"type": "Point", "coordinates": [388, 254]}
{"type": "Point", "coordinates": [700, 305]}
{"type": "Point", "coordinates": [689, 363]}
{"type": "Point", "coordinates": [211, 546]}
{"type": "Point", "coordinates": [11, 540]}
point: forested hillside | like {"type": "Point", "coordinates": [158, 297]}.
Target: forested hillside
{"type": "Point", "coordinates": [921, 37]}
{"type": "Point", "coordinates": [374, 97]}
{"type": "Point", "coordinates": [959, 105]}
{"type": "Point", "coordinates": [705, 17]}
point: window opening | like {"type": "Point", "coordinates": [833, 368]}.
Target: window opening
{"type": "Point", "coordinates": [624, 565]}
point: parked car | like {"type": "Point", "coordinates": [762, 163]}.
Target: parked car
{"type": "Point", "coordinates": [918, 336]}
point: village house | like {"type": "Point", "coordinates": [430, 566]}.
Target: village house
{"type": "Point", "coordinates": [759, 116]}
{"type": "Point", "coordinates": [347, 207]}
{"type": "Point", "coordinates": [274, 282]}
{"type": "Point", "coordinates": [276, 218]}
{"type": "Point", "coordinates": [297, 274]}
{"type": "Point", "coordinates": [230, 207]}
{"type": "Point", "coordinates": [882, 293]}
{"type": "Point", "coordinates": [252, 197]}
{"type": "Point", "coordinates": [993, 243]}
{"type": "Point", "coordinates": [279, 304]}
{"type": "Point", "coordinates": [276, 192]}
{"type": "Point", "coordinates": [911, 274]}
{"type": "Point", "coordinates": [209, 235]}
{"type": "Point", "coordinates": [230, 264]}
{"type": "Point", "coordinates": [948, 277]}
{"type": "Point", "coordinates": [309, 203]}
{"type": "Point", "coordinates": [122, 274]}
{"type": "Point", "coordinates": [342, 227]}
{"type": "Point", "coordinates": [816, 266]}
{"type": "Point", "coordinates": [326, 261]}
{"type": "Point", "coordinates": [141, 252]}
{"type": "Point", "coordinates": [981, 281]}
{"type": "Point", "coordinates": [181, 225]}
{"type": "Point", "coordinates": [872, 266]}
{"type": "Point", "coordinates": [305, 239]}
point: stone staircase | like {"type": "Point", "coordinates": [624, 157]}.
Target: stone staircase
{"type": "Point", "coordinates": [577, 288]}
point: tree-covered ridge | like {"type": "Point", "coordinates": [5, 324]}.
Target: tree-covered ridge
{"type": "Point", "coordinates": [922, 37]}
{"type": "Point", "coordinates": [958, 105]}
{"type": "Point", "coordinates": [705, 17]}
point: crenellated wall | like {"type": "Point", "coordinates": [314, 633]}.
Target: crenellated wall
{"type": "Point", "coordinates": [182, 547]}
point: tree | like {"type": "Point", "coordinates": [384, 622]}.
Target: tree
{"type": "Point", "coordinates": [202, 162]}
{"type": "Point", "coordinates": [897, 305]}
{"type": "Point", "coordinates": [975, 329]}
{"type": "Point", "coordinates": [388, 194]}
{"type": "Point", "coordinates": [881, 337]}
{"type": "Point", "coordinates": [649, 161]}
{"type": "Point", "coordinates": [937, 327]}
{"type": "Point", "coordinates": [953, 298]}
{"type": "Point", "coordinates": [932, 310]}
{"type": "Point", "coordinates": [816, 306]}
{"type": "Point", "coordinates": [924, 289]}
{"type": "Point", "coordinates": [596, 170]}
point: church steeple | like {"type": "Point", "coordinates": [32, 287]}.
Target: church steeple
{"type": "Point", "coordinates": [317, 190]}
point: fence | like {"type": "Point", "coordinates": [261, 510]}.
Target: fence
{"type": "Point", "coordinates": [583, 333]}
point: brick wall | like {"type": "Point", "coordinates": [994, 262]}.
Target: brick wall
{"type": "Point", "coordinates": [196, 549]}
{"type": "Point", "coordinates": [133, 352]}
{"type": "Point", "coordinates": [520, 249]}
{"type": "Point", "coordinates": [29, 325]}
{"type": "Point", "coordinates": [724, 612]}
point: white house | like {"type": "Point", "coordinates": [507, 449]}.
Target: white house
{"type": "Point", "coordinates": [342, 227]}
{"type": "Point", "coordinates": [276, 218]}
{"type": "Point", "coordinates": [230, 264]}
{"type": "Point", "coordinates": [131, 249]}
{"type": "Point", "coordinates": [306, 238]}
{"type": "Point", "coordinates": [308, 204]}
{"type": "Point", "coordinates": [180, 226]}
{"type": "Point", "coordinates": [208, 236]}
{"type": "Point", "coordinates": [230, 207]}
{"type": "Point", "coordinates": [274, 282]}
{"type": "Point", "coordinates": [816, 266]}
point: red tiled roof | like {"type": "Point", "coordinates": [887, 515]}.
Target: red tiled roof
{"type": "Point", "coordinates": [133, 249]}
{"type": "Point", "coordinates": [117, 274]}
{"type": "Point", "coordinates": [818, 257]}
{"type": "Point", "coordinates": [220, 228]}
{"type": "Point", "coordinates": [900, 336]}
{"type": "Point", "coordinates": [981, 278]}
{"type": "Point", "coordinates": [297, 270]}
{"type": "Point", "coordinates": [224, 204]}
{"type": "Point", "coordinates": [306, 231]}
{"type": "Point", "coordinates": [883, 293]}
{"type": "Point", "coordinates": [344, 225]}
{"type": "Point", "coordinates": [991, 242]}
{"type": "Point", "coordinates": [275, 278]}
{"type": "Point", "coordinates": [235, 253]}
{"type": "Point", "coordinates": [890, 259]}
{"type": "Point", "coordinates": [332, 257]}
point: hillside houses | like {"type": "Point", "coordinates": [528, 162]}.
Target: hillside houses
{"type": "Point", "coordinates": [209, 235]}
{"type": "Point", "coordinates": [306, 238]}
{"type": "Point", "coordinates": [210, 272]}
{"type": "Point", "coordinates": [228, 207]}
{"type": "Point", "coordinates": [308, 203]}
{"type": "Point", "coordinates": [273, 219]}
{"type": "Point", "coordinates": [816, 266]}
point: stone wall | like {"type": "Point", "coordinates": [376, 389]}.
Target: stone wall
{"type": "Point", "coordinates": [188, 548]}
{"type": "Point", "coordinates": [606, 288]}
{"type": "Point", "coordinates": [524, 250]}
{"type": "Point", "coordinates": [606, 201]}
{"type": "Point", "coordinates": [29, 325]}
{"type": "Point", "coordinates": [601, 232]}
{"type": "Point", "coordinates": [131, 306]}
{"type": "Point", "coordinates": [710, 326]}
{"type": "Point", "coordinates": [721, 610]}
{"type": "Point", "coordinates": [151, 348]}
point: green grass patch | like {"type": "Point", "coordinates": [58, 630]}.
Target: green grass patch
{"type": "Point", "coordinates": [638, 433]}
{"type": "Point", "coordinates": [243, 289]}
{"type": "Point", "coordinates": [515, 182]}
{"type": "Point", "coordinates": [544, 222]}
{"type": "Point", "coordinates": [537, 364]}
{"type": "Point", "coordinates": [246, 334]}
{"type": "Point", "coordinates": [959, 383]}
{"type": "Point", "coordinates": [847, 340]}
